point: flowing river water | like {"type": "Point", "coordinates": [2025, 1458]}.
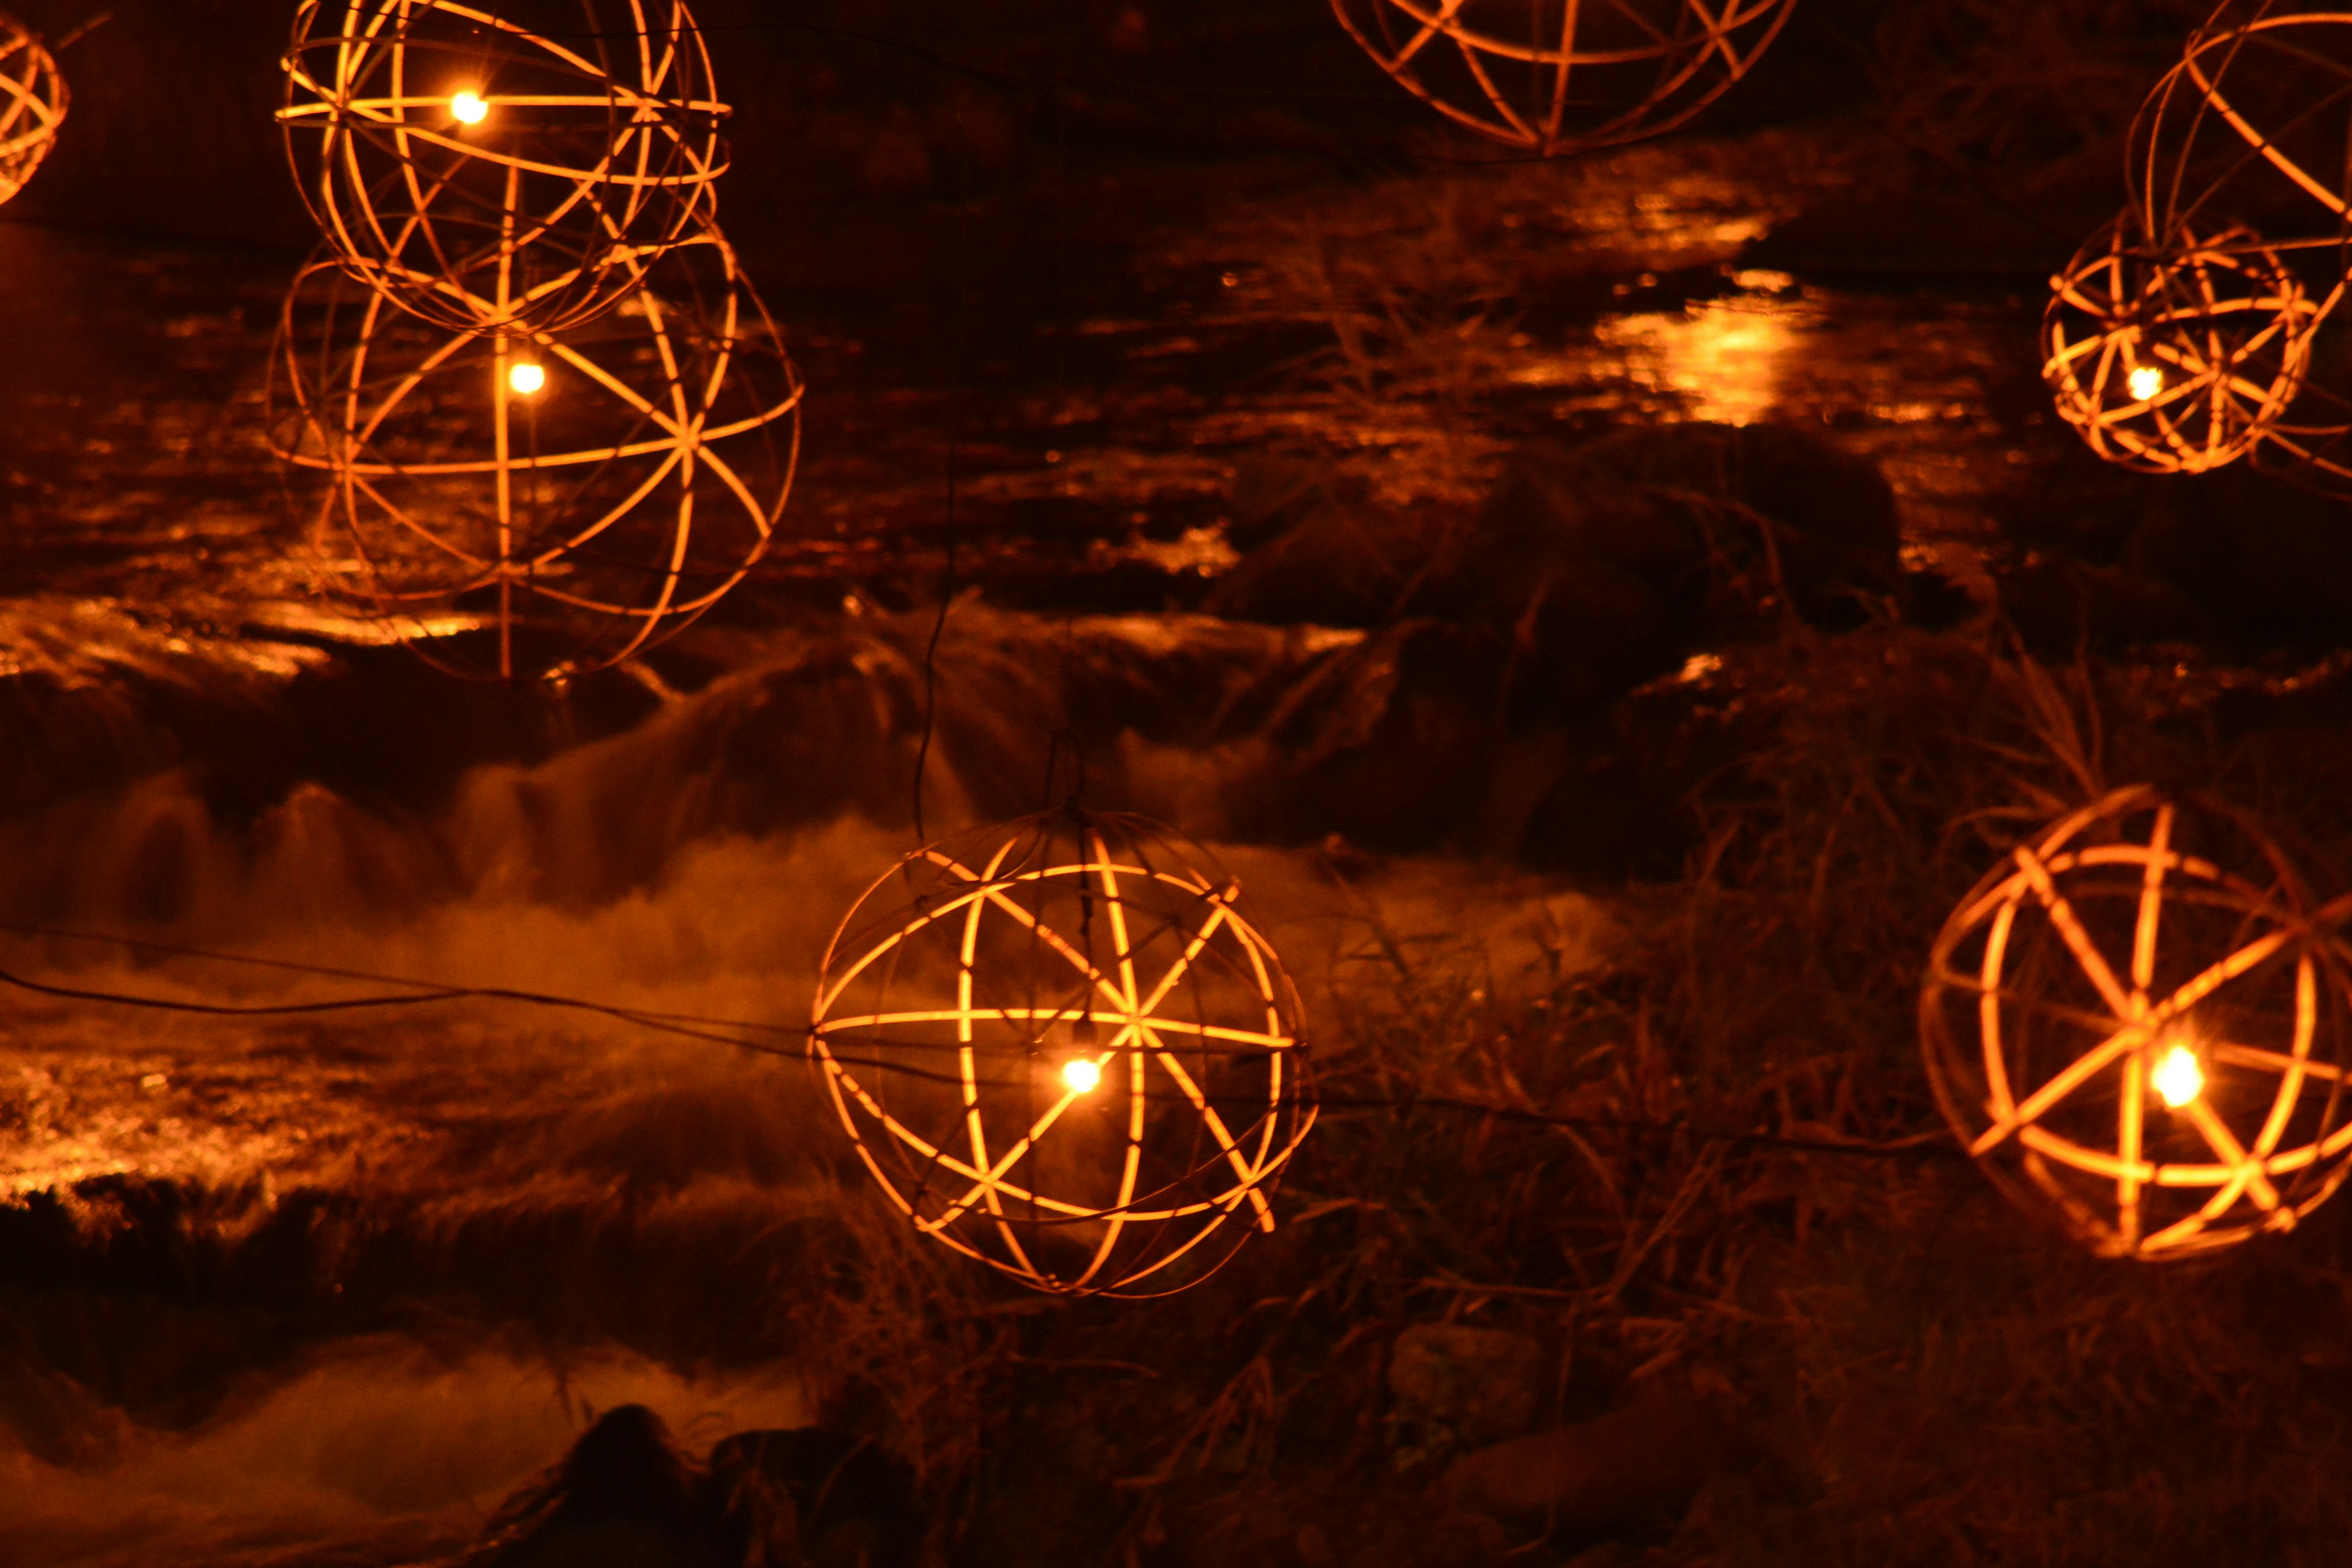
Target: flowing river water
{"type": "Point", "coordinates": [325, 1288]}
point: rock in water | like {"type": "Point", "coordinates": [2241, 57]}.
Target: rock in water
{"type": "Point", "coordinates": [847, 1502]}
{"type": "Point", "coordinates": [1607, 564]}
{"type": "Point", "coordinates": [622, 1498]}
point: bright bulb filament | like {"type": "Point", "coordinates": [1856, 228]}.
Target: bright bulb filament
{"type": "Point", "coordinates": [528, 379]}
{"type": "Point", "coordinates": [469, 108]}
{"type": "Point", "coordinates": [1082, 1075]}
{"type": "Point", "coordinates": [2146, 382]}
{"type": "Point", "coordinates": [2178, 1078]}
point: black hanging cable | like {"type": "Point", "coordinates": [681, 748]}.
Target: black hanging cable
{"type": "Point", "coordinates": [734, 1032]}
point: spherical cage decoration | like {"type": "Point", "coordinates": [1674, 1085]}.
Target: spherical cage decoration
{"type": "Point", "coordinates": [2176, 361]}
{"type": "Point", "coordinates": [1063, 1048]}
{"type": "Point", "coordinates": [32, 104]}
{"type": "Point", "coordinates": [541, 506]}
{"type": "Point", "coordinates": [2250, 127]}
{"type": "Point", "coordinates": [1560, 75]}
{"type": "Point", "coordinates": [2136, 1028]}
{"type": "Point", "coordinates": [506, 168]}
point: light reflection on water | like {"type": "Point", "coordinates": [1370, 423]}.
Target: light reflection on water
{"type": "Point", "coordinates": [1725, 358]}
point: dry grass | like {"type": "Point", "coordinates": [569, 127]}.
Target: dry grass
{"type": "Point", "coordinates": [1922, 1375]}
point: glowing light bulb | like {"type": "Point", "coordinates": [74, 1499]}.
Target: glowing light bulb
{"type": "Point", "coordinates": [470, 107]}
{"type": "Point", "coordinates": [527, 379]}
{"type": "Point", "coordinates": [2178, 1078]}
{"type": "Point", "coordinates": [2146, 382]}
{"type": "Point", "coordinates": [1082, 1075]}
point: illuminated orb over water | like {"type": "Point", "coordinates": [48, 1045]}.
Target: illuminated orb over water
{"type": "Point", "coordinates": [1063, 1049]}
{"type": "Point", "coordinates": [2176, 359]}
{"type": "Point", "coordinates": [32, 104]}
{"type": "Point", "coordinates": [541, 507]}
{"type": "Point", "coordinates": [2135, 1027]}
{"type": "Point", "coordinates": [503, 169]}
{"type": "Point", "coordinates": [1557, 76]}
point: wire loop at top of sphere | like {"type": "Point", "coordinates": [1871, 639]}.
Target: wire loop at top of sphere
{"type": "Point", "coordinates": [493, 177]}
{"type": "Point", "coordinates": [33, 102]}
{"type": "Point", "coordinates": [1062, 1047]}
{"type": "Point", "coordinates": [1563, 76]}
{"type": "Point", "coordinates": [2136, 1024]}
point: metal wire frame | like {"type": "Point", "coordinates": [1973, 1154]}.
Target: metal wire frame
{"type": "Point", "coordinates": [567, 531]}
{"type": "Point", "coordinates": [32, 103]}
{"type": "Point", "coordinates": [2182, 359]}
{"type": "Point", "coordinates": [583, 164]}
{"type": "Point", "coordinates": [1068, 937]}
{"type": "Point", "coordinates": [2250, 127]}
{"type": "Point", "coordinates": [1564, 76]}
{"type": "Point", "coordinates": [2063, 984]}
{"type": "Point", "coordinates": [2248, 131]}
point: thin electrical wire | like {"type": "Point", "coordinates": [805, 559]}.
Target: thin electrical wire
{"type": "Point", "coordinates": [731, 1032]}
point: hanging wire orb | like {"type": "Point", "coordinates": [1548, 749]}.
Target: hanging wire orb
{"type": "Point", "coordinates": [1062, 1048]}
{"type": "Point", "coordinates": [2248, 132]}
{"type": "Point", "coordinates": [2250, 127]}
{"type": "Point", "coordinates": [2135, 1027]}
{"type": "Point", "coordinates": [548, 505]}
{"type": "Point", "coordinates": [495, 176]}
{"type": "Point", "coordinates": [32, 104]}
{"type": "Point", "coordinates": [2181, 361]}
{"type": "Point", "coordinates": [1564, 76]}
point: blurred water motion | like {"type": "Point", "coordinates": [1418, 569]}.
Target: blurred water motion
{"type": "Point", "coordinates": [215, 761]}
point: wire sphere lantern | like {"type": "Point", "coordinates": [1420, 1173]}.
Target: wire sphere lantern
{"type": "Point", "coordinates": [32, 104]}
{"type": "Point", "coordinates": [1563, 76]}
{"type": "Point", "coordinates": [2179, 361]}
{"type": "Point", "coordinates": [1062, 1048]}
{"type": "Point", "coordinates": [540, 506]}
{"type": "Point", "coordinates": [2135, 1026]}
{"type": "Point", "coordinates": [2250, 127]}
{"type": "Point", "coordinates": [507, 170]}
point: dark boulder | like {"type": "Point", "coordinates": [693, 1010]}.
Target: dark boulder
{"type": "Point", "coordinates": [1320, 551]}
{"type": "Point", "coordinates": [623, 1496]}
{"type": "Point", "coordinates": [1591, 568]}
{"type": "Point", "coordinates": [844, 1502]}
{"type": "Point", "coordinates": [1607, 564]}
{"type": "Point", "coordinates": [1389, 744]}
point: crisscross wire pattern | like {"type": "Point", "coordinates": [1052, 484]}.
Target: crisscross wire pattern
{"type": "Point", "coordinates": [32, 104]}
{"type": "Point", "coordinates": [2246, 136]}
{"type": "Point", "coordinates": [564, 531]}
{"type": "Point", "coordinates": [2071, 980]}
{"type": "Point", "coordinates": [595, 150]}
{"type": "Point", "coordinates": [966, 989]}
{"type": "Point", "coordinates": [1563, 76]}
{"type": "Point", "coordinates": [2179, 360]}
{"type": "Point", "coordinates": [2251, 126]}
